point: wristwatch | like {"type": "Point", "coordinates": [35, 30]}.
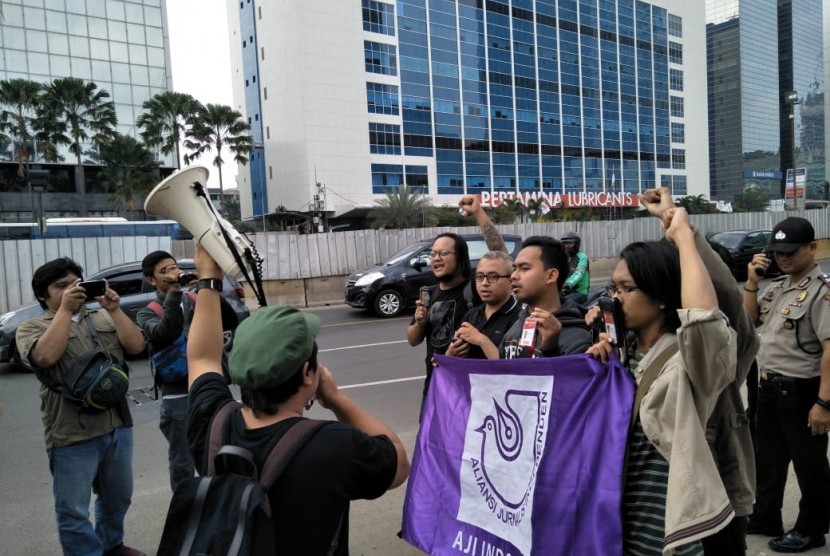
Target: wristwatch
{"type": "Point", "coordinates": [210, 283]}
{"type": "Point", "coordinates": [823, 403]}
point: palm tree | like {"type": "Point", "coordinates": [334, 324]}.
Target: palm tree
{"type": "Point", "coordinates": [696, 204]}
{"type": "Point", "coordinates": [215, 127]}
{"type": "Point", "coordinates": [19, 100]}
{"type": "Point", "coordinates": [129, 170]}
{"type": "Point", "coordinates": [74, 112]}
{"type": "Point", "coordinates": [165, 120]}
{"type": "Point", "coordinates": [403, 209]}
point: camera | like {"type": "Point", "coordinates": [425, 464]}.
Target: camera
{"type": "Point", "coordinates": [187, 278]}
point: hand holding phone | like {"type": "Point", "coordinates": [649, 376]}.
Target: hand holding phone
{"type": "Point", "coordinates": [761, 271]}
{"type": "Point", "coordinates": [94, 288]}
{"type": "Point", "coordinates": [613, 320]}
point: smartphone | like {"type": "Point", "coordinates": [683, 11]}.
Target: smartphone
{"type": "Point", "coordinates": [94, 288]}
{"type": "Point", "coordinates": [613, 319]}
{"type": "Point", "coordinates": [187, 278]}
{"type": "Point", "coordinates": [424, 294]}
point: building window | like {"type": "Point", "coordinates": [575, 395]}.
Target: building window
{"type": "Point", "coordinates": [678, 159]}
{"type": "Point", "coordinates": [675, 52]}
{"type": "Point", "coordinates": [386, 178]}
{"type": "Point", "coordinates": [378, 17]}
{"type": "Point", "coordinates": [678, 133]}
{"type": "Point", "coordinates": [679, 186]}
{"type": "Point", "coordinates": [676, 79]}
{"type": "Point", "coordinates": [382, 99]}
{"type": "Point", "coordinates": [417, 179]}
{"type": "Point", "coordinates": [380, 58]}
{"type": "Point", "coordinates": [677, 107]}
{"type": "Point", "coordinates": [384, 138]}
{"type": "Point", "coordinates": [675, 26]}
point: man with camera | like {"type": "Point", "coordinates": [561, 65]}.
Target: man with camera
{"type": "Point", "coordinates": [89, 449]}
{"type": "Point", "coordinates": [165, 322]}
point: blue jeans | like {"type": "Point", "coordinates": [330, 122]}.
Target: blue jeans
{"type": "Point", "coordinates": [102, 465]}
{"type": "Point", "coordinates": [173, 425]}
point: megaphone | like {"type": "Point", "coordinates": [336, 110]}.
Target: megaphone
{"type": "Point", "coordinates": [183, 197]}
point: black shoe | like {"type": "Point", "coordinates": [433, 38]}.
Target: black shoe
{"type": "Point", "coordinates": [756, 528]}
{"type": "Point", "coordinates": [794, 541]}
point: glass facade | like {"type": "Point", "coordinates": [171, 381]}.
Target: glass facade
{"type": "Point", "coordinates": [118, 45]}
{"type": "Point", "coordinates": [533, 95]}
{"type": "Point", "coordinates": [251, 54]}
{"type": "Point", "coordinates": [756, 53]}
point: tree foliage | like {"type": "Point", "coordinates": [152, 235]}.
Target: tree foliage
{"type": "Point", "coordinates": [215, 128]}
{"type": "Point", "coordinates": [166, 118]}
{"type": "Point", "coordinates": [129, 171]}
{"type": "Point", "coordinates": [696, 204]}
{"type": "Point", "coordinates": [19, 101]}
{"type": "Point", "coordinates": [74, 112]}
{"type": "Point", "coordinates": [753, 199]}
{"type": "Point", "coordinates": [403, 209]}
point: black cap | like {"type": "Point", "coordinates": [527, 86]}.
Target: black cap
{"type": "Point", "coordinates": [790, 234]}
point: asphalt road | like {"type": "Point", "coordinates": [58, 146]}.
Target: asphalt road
{"type": "Point", "coordinates": [370, 360]}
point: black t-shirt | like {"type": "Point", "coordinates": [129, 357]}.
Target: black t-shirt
{"type": "Point", "coordinates": [338, 464]}
{"type": "Point", "coordinates": [446, 313]}
{"type": "Point", "coordinates": [495, 327]}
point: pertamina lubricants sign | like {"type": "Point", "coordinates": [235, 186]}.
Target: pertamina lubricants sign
{"type": "Point", "coordinates": [556, 200]}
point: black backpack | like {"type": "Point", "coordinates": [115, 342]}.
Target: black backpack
{"type": "Point", "coordinates": [226, 512]}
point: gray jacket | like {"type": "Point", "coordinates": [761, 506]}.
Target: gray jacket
{"type": "Point", "coordinates": [727, 429]}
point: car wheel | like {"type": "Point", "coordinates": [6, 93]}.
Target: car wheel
{"type": "Point", "coordinates": [389, 303]}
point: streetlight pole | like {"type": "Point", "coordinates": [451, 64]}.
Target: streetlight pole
{"type": "Point", "coordinates": [792, 100]}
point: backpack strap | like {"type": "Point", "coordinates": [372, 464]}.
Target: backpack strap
{"type": "Point", "coordinates": [216, 432]}
{"type": "Point", "coordinates": [287, 447]}
{"type": "Point", "coordinates": [649, 376]}
{"type": "Point", "coordinates": [156, 307]}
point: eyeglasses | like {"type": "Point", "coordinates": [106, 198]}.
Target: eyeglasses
{"type": "Point", "coordinates": [612, 289]}
{"type": "Point", "coordinates": [440, 253]}
{"type": "Point", "coordinates": [491, 277]}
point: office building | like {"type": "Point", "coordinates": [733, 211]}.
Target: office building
{"type": "Point", "coordinates": [495, 97]}
{"type": "Point", "coordinates": [118, 44]}
{"type": "Point", "coordinates": [762, 56]}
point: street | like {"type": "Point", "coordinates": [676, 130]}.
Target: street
{"type": "Point", "coordinates": [370, 360]}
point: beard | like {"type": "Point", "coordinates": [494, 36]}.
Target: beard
{"type": "Point", "coordinates": [447, 277]}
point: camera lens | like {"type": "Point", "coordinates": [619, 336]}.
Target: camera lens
{"type": "Point", "coordinates": [187, 278]}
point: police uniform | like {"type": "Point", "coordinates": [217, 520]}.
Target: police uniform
{"type": "Point", "coordinates": [795, 318]}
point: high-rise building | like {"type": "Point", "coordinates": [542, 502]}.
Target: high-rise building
{"type": "Point", "coordinates": [119, 45]}
{"type": "Point", "coordinates": [495, 97]}
{"type": "Point", "coordinates": [766, 74]}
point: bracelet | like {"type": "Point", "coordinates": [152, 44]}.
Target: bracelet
{"type": "Point", "coordinates": [756, 290]}
{"type": "Point", "coordinates": [823, 403]}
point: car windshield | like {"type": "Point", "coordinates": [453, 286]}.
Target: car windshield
{"type": "Point", "coordinates": [406, 253]}
{"type": "Point", "coordinates": [730, 240]}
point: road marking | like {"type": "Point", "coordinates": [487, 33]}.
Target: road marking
{"type": "Point", "coordinates": [381, 382]}
{"type": "Point", "coordinates": [364, 346]}
{"type": "Point", "coordinates": [380, 321]}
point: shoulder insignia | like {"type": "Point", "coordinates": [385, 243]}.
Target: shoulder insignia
{"type": "Point", "coordinates": [801, 296]}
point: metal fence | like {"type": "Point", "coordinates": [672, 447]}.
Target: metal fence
{"type": "Point", "coordinates": [290, 257]}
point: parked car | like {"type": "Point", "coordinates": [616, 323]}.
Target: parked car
{"type": "Point", "coordinates": [128, 281]}
{"type": "Point", "coordinates": [737, 248]}
{"type": "Point", "coordinates": [390, 288]}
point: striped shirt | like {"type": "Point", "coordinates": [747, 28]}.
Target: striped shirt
{"type": "Point", "coordinates": [644, 500]}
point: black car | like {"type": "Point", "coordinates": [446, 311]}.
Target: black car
{"type": "Point", "coordinates": [737, 248]}
{"type": "Point", "coordinates": [389, 288]}
{"type": "Point", "coordinates": [128, 281]}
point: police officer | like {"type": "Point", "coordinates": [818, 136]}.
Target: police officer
{"type": "Point", "coordinates": [793, 316]}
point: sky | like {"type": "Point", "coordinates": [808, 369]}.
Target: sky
{"type": "Point", "coordinates": [200, 59]}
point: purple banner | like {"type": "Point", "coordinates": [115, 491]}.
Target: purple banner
{"type": "Point", "coordinates": [520, 457]}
